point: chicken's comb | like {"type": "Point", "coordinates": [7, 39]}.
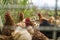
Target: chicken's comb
{"type": "Point", "coordinates": [27, 19]}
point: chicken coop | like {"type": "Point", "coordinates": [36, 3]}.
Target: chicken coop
{"type": "Point", "coordinates": [19, 19]}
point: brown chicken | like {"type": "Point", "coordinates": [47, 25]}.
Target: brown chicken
{"type": "Point", "coordinates": [8, 25]}
{"type": "Point", "coordinates": [41, 17]}
{"type": "Point", "coordinates": [21, 20]}
{"type": "Point", "coordinates": [50, 20]}
{"type": "Point", "coordinates": [36, 34]}
{"type": "Point", "coordinates": [21, 17]}
{"type": "Point", "coordinates": [8, 20]}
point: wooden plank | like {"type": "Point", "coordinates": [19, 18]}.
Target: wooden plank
{"type": "Point", "coordinates": [54, 29]}
{"type": "Point", "coordinates": [49, 28]}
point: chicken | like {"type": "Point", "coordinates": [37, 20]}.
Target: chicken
{"type": "Point", "coordinates": [36, 35]}
{"type": "Point", "coordinates": [21, 34]}
{"type": "Point", "coordinates": [8, 20]}
{"type": "Point", "coordinates": [41, 17]}
{"type": "Point", "coordinates": [45, 23]}
{"type": "Point", "coordinates": [24, 22]}
{"type": "Point", "coordinates": [57, 22]}
{"type": "Point", "coordinates": [28, 22]}
{"type": "Point", "coordinates": [21, 20]}
{"type": "Point", "coordinates": [21, 17]}
{"type": "Point", "coordinates": [8, 25]}
{"type": "Point", "coordinates": [51, 19]}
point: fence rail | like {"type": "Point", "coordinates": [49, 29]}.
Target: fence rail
{"type": "Point", "coordinates": [54, 29]}
{"type": "Point", "coordinates": [49, 28]}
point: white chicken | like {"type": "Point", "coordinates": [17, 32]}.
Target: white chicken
{"type": "Point", "coordinates": [21, 34]}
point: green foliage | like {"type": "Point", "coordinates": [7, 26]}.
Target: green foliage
{"type": "Point", "coordinates": [28, 12]}
{"type": "Point", "coordinates": [23, 2]}
{"type": "Point", "coordinates": [5, 1]}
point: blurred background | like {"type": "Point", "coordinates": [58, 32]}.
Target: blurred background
{"type": "Point", "coordinates": [30, 7]}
